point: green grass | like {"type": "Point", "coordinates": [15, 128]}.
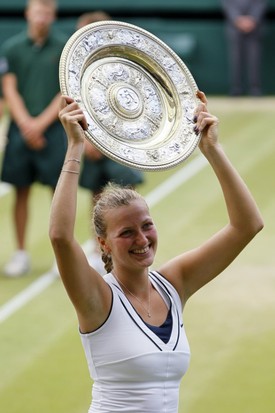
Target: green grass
{"type": "Point", "coordinates": [230, 322]}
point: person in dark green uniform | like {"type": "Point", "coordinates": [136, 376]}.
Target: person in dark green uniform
{"type": "Point", "coordinates": [36, 141]}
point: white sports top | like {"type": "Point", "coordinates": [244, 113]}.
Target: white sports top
{"type": "Point", "coordinates": [133, 370]}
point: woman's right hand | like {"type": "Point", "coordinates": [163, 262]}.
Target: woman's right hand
{"type": "Point", "coordinates": [72, 119]}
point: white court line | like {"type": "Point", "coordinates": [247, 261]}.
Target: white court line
{"type": "Point", "coordinates": [22, 298]}
{"type": "Point", "coordinates": [155, 196]}
{"type": "Point", "coordinates": [177, 179]}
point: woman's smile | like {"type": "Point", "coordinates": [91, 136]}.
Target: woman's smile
{"type": "Point", "coordinates": [141, 251]}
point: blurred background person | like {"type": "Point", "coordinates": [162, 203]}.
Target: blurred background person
{"type": "Point", "coordinates": [4, 120]}
{"type": "Point", "coordinates": [244, 28]}
{"type": "Point", "coordinates": [2, 106]}
{"type": "Point", "coordinates": [92, 17]}
{"type": "Point", "coordinates": [98, 169]}
{"type": "Point", "coordinates": [3, 111]}
{"type": "Point", "coordinates": [36, 141]}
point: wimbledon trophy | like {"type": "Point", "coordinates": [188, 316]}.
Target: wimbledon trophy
{"type": "Point", "coordinates": [136, 93]}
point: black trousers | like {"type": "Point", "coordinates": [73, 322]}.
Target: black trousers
{"type": "Point", "coordinates": [245, 54]}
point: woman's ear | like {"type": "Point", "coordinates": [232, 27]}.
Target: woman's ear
{"type": "Point", "coordinates": [104, 246]}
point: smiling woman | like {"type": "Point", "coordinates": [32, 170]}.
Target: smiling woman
{"type": "Point", "coordinates": [137, 310]}
{"type": "Point", "coordinates": [125, 228]}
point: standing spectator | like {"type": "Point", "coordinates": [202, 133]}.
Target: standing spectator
{"type": "Point", "coordinates": [92, 17]}
{"type": "Point", "coordinates": [2, 101]}
{"type": "Point", "coordinates": [36, 140]}
{"type": "Point", "coordinates": [244, 25]}
{"type": "Point", "coordinates": [98, 169]}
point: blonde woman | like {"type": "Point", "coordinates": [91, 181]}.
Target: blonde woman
{"type": "Point", "coordinates": [130, 320]}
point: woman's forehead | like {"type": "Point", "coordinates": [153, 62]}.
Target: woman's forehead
{"type": "Point", "coordinates": [136, 208]}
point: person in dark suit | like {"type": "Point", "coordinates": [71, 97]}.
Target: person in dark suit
{"type": "Point", "coordinates": [244, 28]}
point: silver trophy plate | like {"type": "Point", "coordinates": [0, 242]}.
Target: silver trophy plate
{"type": "Point", "coordinates": [136, 93]}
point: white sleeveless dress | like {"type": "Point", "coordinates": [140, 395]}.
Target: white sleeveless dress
{"type": "Point", "coordinates": [133, 370]}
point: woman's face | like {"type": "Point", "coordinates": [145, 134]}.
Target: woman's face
{"type": "Point", "coordinates": [131, 236]}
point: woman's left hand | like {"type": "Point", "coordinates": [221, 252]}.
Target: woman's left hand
{"type": "Point", "coordinates": [205, 123]}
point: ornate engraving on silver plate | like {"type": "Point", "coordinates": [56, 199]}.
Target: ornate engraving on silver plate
{"type": "Point", "coordinates": [136, 93]}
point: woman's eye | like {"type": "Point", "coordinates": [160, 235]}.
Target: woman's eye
{"type": "Point", "coordinates": [126, 233]}
{"type": "Point", "coordinates": [148, 225]}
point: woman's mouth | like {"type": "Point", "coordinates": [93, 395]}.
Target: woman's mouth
{"type": "Point", "coordinates": [141, 250]}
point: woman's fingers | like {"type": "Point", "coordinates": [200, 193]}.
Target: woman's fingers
{"type": "Point", "coordinates": [202, 117]}
{"type": "Point", "coordinates": [65, 101]}
{"type": "Point", "coordinates": [202, 97]}
{"type": "Point", "coordinates": [202, 106]}
{"type": "Point", "coordinates": [70, 111]}
{"type": "Point", "coordinates": [83, 123]}
{"type": "Point", "coordinates": [205, 120]}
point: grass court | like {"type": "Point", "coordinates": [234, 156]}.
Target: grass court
{"type": "Point", "coordinates": [230, 322]}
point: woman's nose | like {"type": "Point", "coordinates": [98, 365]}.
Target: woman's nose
{"type": "Point", "coordinates": [141, 238]}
